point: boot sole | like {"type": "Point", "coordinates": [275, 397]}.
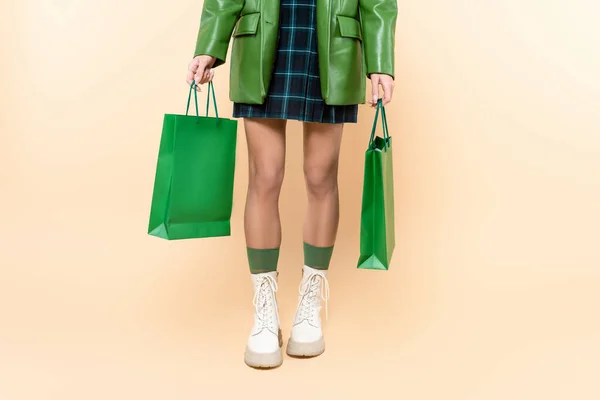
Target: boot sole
{"type": "Point", "coordinates": [264, 360]}
{"type": "Point", "coordinates": [300, 349]}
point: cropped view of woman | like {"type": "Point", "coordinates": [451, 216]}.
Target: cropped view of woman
{"type": "Point", "coordinates": [308, 61]}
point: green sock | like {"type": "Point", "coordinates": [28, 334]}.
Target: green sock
{"type": "Point", "coordinates": [317, 257]}
{"type": "Point", "coordinates": [262, 260]}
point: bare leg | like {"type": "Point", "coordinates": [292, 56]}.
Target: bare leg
{"type": "Point", "coordinates": [266, 158]}
{"type": "Point", "coordinates": [321, 155]}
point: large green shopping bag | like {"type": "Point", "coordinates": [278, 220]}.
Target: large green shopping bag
{"type": "Point", "coordinates": [377, 239]}
{"type": "Point", "coordinates": [193, 185]}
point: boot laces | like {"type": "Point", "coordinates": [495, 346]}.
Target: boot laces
{"type": "Point", "coordinates": [263, 301]}
{"type": "Point", "coordinates": [309, 292]}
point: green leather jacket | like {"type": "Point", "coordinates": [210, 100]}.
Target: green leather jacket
{"type": "Point", "coordinates": [355, 38]}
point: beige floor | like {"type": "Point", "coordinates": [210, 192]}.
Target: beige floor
{"type": "Point", "coordinates": [495, 285]}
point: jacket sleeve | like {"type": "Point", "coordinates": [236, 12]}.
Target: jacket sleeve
{"type": "Point", "coordinates": [216, 26]}
{"type": "Point", "coordinates": [378, 20]}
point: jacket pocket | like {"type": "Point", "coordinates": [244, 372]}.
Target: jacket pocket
{"type": "Point", "coordinates": [346, 80]}
{"type": "Point", "coordinates": [247, 25]}
{"type": "Point", "coordinates": [349, 27]}
{"type": "Point", "coordinates": [246, 81]}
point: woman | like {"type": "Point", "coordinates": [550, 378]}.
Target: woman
{"type": "Point", "coordinates": [302, 60]}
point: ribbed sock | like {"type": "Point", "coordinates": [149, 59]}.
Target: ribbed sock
{"type": "Point", "coordinates": [262, 260]}
{"type": "Point", "coordinates": [317, 257]}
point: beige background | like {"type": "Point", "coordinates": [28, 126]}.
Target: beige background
{"type": "Point", "coordinates": [495, 283]}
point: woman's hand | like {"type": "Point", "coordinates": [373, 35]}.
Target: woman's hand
{"type": "Point", "coordinates": [387, 82]}
{"type": "Point", "coordinates": [200, 70]}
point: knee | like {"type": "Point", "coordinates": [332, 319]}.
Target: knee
{"type": "Point", "coordinates": [266, 179]}
{"type": "Point", "coordinates": [321, 178]}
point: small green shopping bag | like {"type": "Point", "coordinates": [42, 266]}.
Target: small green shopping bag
{"type": "Point", "coordinates": [193, 186]}
{"type": "Point", "coordinates": [377, 226]}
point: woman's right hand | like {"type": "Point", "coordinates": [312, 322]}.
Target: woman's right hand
{"type": "Point", "coordinates": [200, 70]}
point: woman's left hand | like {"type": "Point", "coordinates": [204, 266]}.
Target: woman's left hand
{"type": "Point", "coordinates": [387, 83]}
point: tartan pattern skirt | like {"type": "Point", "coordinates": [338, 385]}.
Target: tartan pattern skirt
{"type": "Point", "coordinates": [295, 88]}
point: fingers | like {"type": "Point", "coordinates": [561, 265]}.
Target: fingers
{"type": "Point", "coordinates": [192, 68]}
{"type": "Point", "coordinates": [374, 90]}
{"type": "Point", "coordinates": [388, 89]}
{"type": "Point", "coordinates": [207, 76]}
{"type": "Point", "coordinates": [199, 75]}
{"type": "Point", "coordinates": [387, 83]}
{"type": "Point", "coordinates": [195, 73]}
{"type": "Point", "coordinates": [200, 71]}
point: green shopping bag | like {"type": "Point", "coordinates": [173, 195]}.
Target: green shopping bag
{"type": "Point", "coordinates": [377, 240]}
{"type": "Point", "coordinates": [193, 186]}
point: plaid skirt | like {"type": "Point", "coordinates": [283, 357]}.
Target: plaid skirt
{"type": "Point", "coordinates": [295, 88]}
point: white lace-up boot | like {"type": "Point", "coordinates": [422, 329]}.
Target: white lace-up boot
{"type": "Point", "coordinates": [306, 338]}
{"type": "Point", "coordinates": [264, 344]}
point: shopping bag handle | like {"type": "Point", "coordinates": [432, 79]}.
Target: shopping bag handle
{"type": "Point", "coordinates": [211, 88]}
{"type": "Point", "coordinates": [386, 134]}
